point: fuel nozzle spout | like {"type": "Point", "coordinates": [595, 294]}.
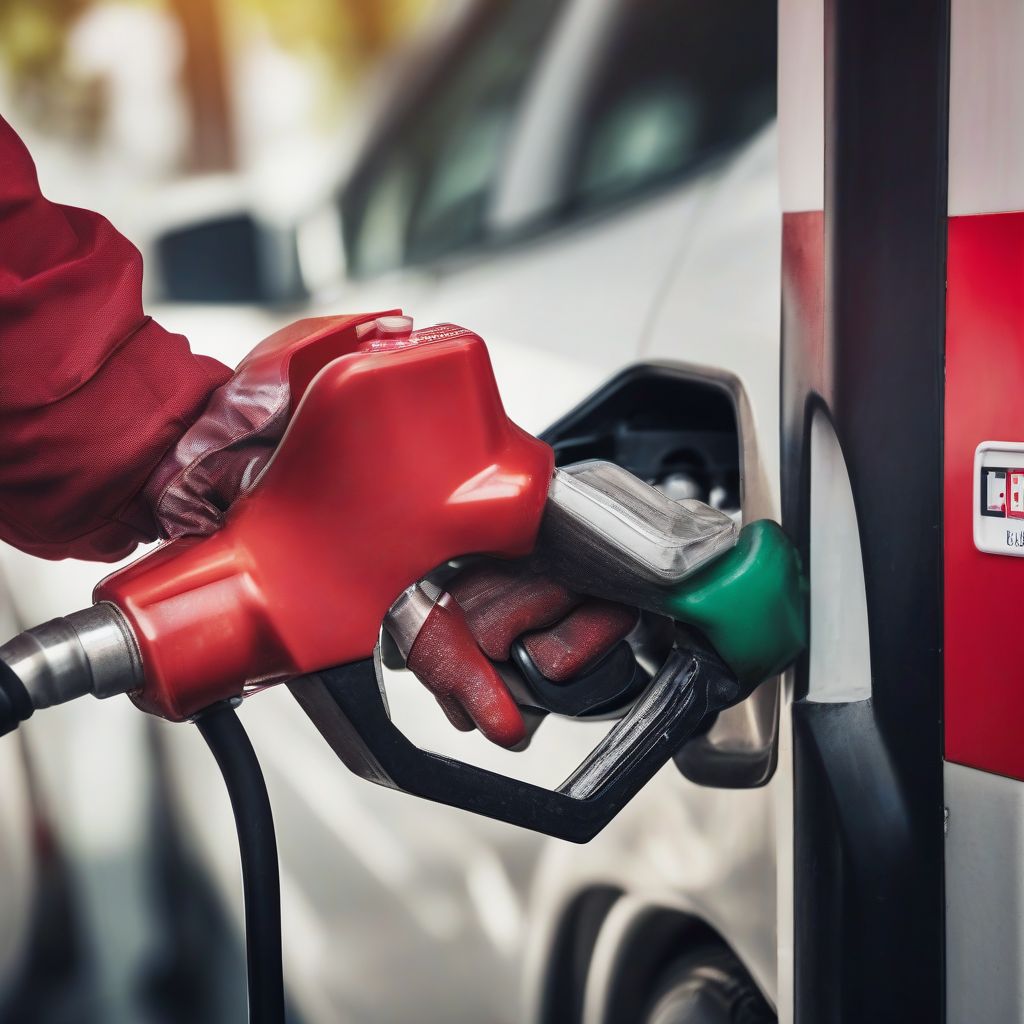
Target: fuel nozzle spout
{"type": "Point", "coordinates": [91, 651]}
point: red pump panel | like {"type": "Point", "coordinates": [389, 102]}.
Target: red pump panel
{"type": "Point", "coordinates": [399, 456]}
{"type": "Point", "coordinates": [984, 593]}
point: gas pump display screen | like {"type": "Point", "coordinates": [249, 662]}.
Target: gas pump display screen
{"type": "Point", "coordinates": [993, 491]}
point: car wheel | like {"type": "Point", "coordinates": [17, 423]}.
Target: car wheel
{"type": "Point", "coordinates": [707, 986]}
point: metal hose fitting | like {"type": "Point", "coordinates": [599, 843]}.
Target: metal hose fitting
{"type": "Point", "coordinates": [92, 651]}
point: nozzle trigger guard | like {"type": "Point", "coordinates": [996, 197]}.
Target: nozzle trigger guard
{"type": "Point", "coordinates": [348, 707]}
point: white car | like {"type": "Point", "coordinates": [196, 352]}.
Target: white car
{"type": "Point", "coordinates": [592, 187]}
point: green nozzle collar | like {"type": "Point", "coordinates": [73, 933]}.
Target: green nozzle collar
{"type": "Point", "coordinates": [750, 603]}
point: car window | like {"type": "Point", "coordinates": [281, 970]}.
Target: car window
{"type": "Point", "coordinates": [682, 82]}
{"type": "Point", "coordinates": [428, 191]}
{"type": "Point", "coordinates": [679, 83]}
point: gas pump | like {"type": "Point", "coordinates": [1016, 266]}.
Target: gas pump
{"type": "Point", "coordinates": [398, 440]}
{"type": "Point", "coordinates": [865, 111]}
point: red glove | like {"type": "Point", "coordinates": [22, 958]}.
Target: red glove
{"type": "Point", "coordinates": [221, 455]}
{"type": "Point", "coordinates": [452, 646]}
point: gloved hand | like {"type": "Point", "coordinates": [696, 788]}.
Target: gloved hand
{"type": "Point", "coordinates": [451, 640]}
{"type": "Point", "coordinates": [220, 456]}
{"type": "Point", "coordinates": [223, 453]}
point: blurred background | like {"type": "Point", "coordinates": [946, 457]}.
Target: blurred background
{"type": "Point", "coordinates": [118, 99]}
{"type": "Point", "coordinates": [586, 183]}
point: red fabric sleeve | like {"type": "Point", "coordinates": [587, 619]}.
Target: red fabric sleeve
{"type": "Point", "coordinates": [92, 391]}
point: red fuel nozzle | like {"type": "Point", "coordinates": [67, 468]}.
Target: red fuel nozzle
{"type": "Point", "coordinates": [398, 457]}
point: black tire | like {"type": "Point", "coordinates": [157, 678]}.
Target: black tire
{"type": "Point", "coordinates": [707, 985]}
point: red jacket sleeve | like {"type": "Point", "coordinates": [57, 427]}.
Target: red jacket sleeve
{"type": "Point", "coordinates": [92, 391]}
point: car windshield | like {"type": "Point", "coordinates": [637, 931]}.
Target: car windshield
{"type": "Point", "coordinates": [683, 82]}
{"type": "Point", "coordinates": [677, 83]}
{"type": "Point", "coordinates": [427, 191]}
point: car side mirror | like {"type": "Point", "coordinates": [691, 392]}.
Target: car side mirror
{"type": "Point", "coordinates": [230, 259]}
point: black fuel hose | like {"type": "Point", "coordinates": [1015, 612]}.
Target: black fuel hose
{"type": "Point", "coordinates": [257, 845]}
{"type": "Point", "coordinates": [15, 702]}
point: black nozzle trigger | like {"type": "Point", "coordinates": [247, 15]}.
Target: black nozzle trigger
{"type": "Point", "coordinates": [606, 688]}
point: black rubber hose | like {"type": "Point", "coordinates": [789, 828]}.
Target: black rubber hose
{"type": "Point", "coordinates": [15, 702]}
{"type": "Point", "coordinates": [257, 845]}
